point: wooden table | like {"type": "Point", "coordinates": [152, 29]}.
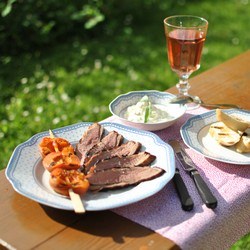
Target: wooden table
{"type": "Point", "coordinates": [26, 224]}
{"type": "Point", "coordinates": [226, 83]}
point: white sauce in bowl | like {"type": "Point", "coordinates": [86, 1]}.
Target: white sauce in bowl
{"type": "Point", "coordinates": [146, 112]}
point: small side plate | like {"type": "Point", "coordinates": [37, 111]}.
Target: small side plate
{"type": "Point", "coordinates": [196, 136]}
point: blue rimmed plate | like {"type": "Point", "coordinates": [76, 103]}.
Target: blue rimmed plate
{"type": "Point", "coordinates": [195, 134]}
{"type": "Point", "coordinates": [28, 177]}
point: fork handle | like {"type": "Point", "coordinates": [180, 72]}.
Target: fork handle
{"type": "Point", "coordinates": [221, 105]}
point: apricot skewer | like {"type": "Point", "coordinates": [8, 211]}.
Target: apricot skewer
{"type": "Point", "coordinates": [75, 198]}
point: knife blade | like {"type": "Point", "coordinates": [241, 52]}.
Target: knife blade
{"type": "Point", "coordinates": [185, 199]}
{"type": "Point", "coordinates": [189, 166]}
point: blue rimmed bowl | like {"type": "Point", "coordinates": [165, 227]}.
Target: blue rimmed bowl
{"type": "Point", "coordinates": [119, 105]}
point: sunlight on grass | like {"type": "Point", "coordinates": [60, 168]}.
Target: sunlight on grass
{"type": "Point", "coordinates": [76, 80]}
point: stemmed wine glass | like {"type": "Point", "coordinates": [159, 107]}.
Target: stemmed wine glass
{"type": "Point", "coordinates": [185, 36]}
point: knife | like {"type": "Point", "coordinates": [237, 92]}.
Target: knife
{"type": "Point", "coordinates": [185, 199]}
{"type": "Point", "coordinates": [188, 165]}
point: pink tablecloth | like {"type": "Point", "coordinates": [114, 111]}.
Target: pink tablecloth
{"type": "Point", "coordinates": [201, 228]}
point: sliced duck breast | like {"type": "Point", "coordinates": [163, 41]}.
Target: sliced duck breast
{"type": "Point", "coordinates": [90, 138]}
{"type": "Point", "coordinates": [128, 148]}
{"type": "Point", "coordinates": [122, 177]}
{"type": "Point", "coordinates": [111, 140]}
{"type": "Point", "coordinates": [140, 159]}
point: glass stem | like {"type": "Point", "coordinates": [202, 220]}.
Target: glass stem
{"type": "Point", "coordinates": [183, 85]}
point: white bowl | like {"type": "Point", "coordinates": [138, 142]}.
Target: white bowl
{"type": "Point", "coordinates": [119, 106]}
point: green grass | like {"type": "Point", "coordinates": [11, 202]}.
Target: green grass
{"type": "Point", "coordinates": [77, 79]}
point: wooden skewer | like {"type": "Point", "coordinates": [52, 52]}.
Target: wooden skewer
{"type": "Point", "coordinates": [75, 198]}
{"type": "Point", "coordinates": [77, 202]}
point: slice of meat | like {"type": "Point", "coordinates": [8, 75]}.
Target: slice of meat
{"type": "Point", "coordinates": [140, 159]}
{"type": "Point", "coordinates": [90, 138]}
{"type": "Point", "coordinates": [111, 140]}
{"type": "Point", "coordinates": [122, 177]}
{"type": "Point", "coordinates": [128, 148]}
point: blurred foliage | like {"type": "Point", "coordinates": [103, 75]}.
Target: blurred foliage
{"type": "Point", "coordinates": [35, 23]}
{"type": "Point", "coordinates": [38, 22]}
{"type": "Point", "coordinates": [242, 244]}
{"type": "Point", "coordinates": [63, 61]}
{"type": "Point", "coordinates": [31, 24]}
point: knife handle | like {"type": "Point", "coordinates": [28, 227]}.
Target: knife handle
{"type": "Point", "coordinates": [186, 201]}
{"type": "Point", "coordinates": [204, 191]}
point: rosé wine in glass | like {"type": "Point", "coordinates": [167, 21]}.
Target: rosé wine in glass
{"type": "Point", "coordinates": [185, 37]}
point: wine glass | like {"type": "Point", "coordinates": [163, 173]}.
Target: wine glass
{"type": "Point", "coordinates": [185, 36]}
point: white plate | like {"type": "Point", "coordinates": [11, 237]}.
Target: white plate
{"type": "Point", "coordinates": [119, 106]}
{"type": "Point", "coordinates": [28, 177]}
{"type": "Point", "coordinates": [196, 136]}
